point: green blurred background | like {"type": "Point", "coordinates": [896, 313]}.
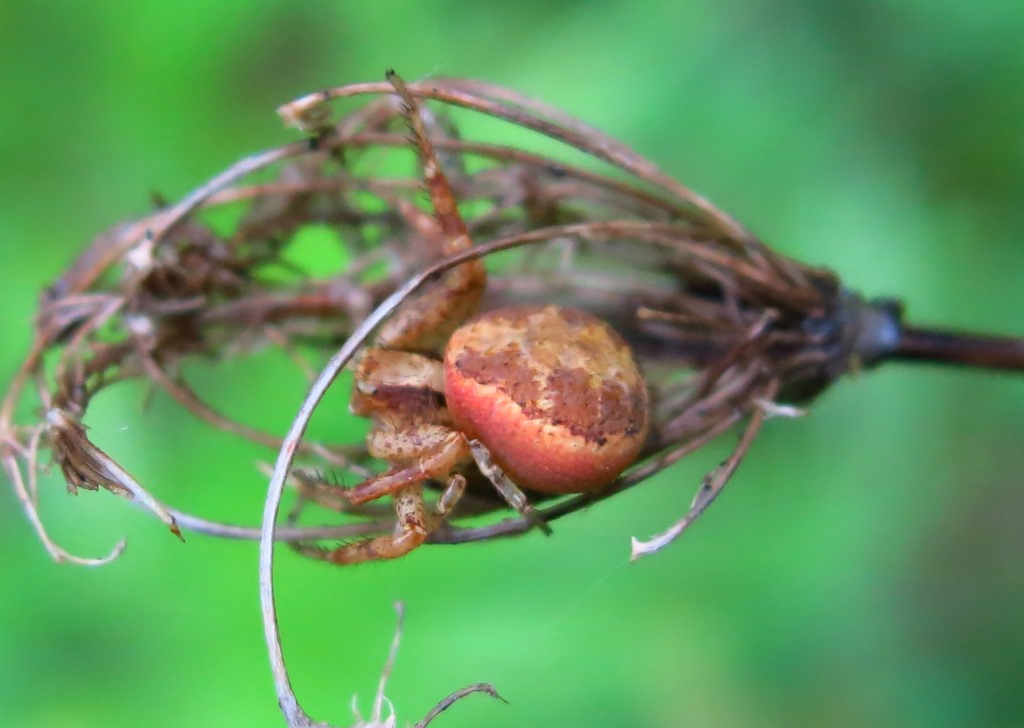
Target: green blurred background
{"type": "Point", "coordinates": [862, 569]}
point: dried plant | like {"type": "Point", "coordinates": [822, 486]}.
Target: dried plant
{"type": "Point", "coordinates": [727, 331]}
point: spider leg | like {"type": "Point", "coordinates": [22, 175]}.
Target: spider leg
{"type": "Point", "coordinates": [441, 196]}
{"type": "Point", "coordinates": [451, 495]}
{"type": "Point", "coordinates": [386, 379]}
{"type": "Point", "coordinates": [410, 531]}
{"type": "Point", "coordinates": [505, 487]}
{"type": "Point", "coordinates": [428, 452]}
{"type": "Point", "coordinates": [387, 367]}
{"type": "Point", "coordinates": [436, 451]}
{"type": "Point", "coordinates": [427, 321]}
{"type": "Point", "coordinates": [325, 493]}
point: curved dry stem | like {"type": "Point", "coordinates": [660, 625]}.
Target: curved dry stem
{"type": "Point", "coordinates": [26, 494]}
{"type": "Point", "coordinates": [712, 485]}
{"type": "Point", "coordinates": [183, 395]}
{"type": "Point", "coordinates": [450, 700]}
{"type": "Point", "coordinates": [636, 475]}
{"type": "Point", "coordinates": [528, 114]}
{"type": "Point", "coordinates": [290, 706]}
{"type": "Point", "coordinates": [292, 441]}
{"type": "Point", "coordinates": [537, 162]}
{"type": "Point", "coordinates": [108, 249]}
{"type": "Point", "coordinates": [283, 534]}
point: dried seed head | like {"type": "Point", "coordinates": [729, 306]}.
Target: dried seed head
{"type": "Point", "coordinates": [554, 393]}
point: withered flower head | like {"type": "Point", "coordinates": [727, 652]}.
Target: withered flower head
{"type": "Point", "coordinates": [725, 331]}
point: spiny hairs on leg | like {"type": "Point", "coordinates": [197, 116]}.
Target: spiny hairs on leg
{"type": "Point", "coordinates": [411, 530]}
{"type": "Point", "coordinates": [441, 196]}
{"type": "Point", "coordinates": [426, 321]}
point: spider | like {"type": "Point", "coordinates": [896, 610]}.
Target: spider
{"type": "Point", "coordinates": [544, 398]}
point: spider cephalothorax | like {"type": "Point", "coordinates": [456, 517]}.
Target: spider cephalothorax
{"type": "Point", "coordinates": [542, 397]}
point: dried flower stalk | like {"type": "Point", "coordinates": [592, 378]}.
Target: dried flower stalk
{"type": "Point", "coordinates": [727, 330]}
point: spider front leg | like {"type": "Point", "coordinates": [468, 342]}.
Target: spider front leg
{"type": "Point", "coordinates": [410, 531]}
{"type": "Point", "coordinates": [505, 487]}
{"type": "Point", "coordinates": [401, 392]}
{"type": "Point", "coordinates": [418, 452]}
{"type": "Point", "coordinates": [425, 322]}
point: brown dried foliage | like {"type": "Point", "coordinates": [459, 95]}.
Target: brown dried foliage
{"type": "Point", "coordinates": [723, 326]}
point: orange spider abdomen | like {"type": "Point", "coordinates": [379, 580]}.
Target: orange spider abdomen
{"type": "Point", "coordinates": [553, 393]}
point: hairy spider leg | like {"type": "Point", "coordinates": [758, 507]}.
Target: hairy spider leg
{"type": "Point", "coordinates": [425, 322]}
{"type": "Point", "coordinates": [420, 452]}
{"type": "Point", "coordinates": [410, 532]}
{"type": "Point", "coordinates": [398, 389]}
